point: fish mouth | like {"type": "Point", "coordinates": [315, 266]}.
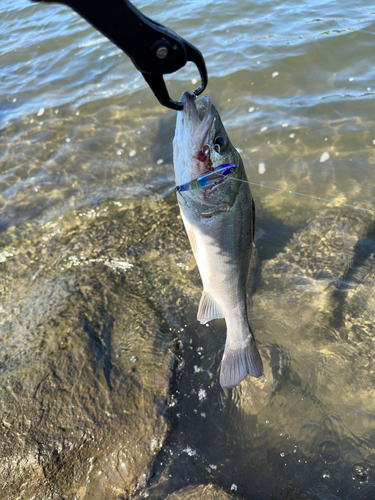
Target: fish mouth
{"type": "Point", "coordinates": [199, 114]}
{"type": "Point", "coordinates": [191, 149]}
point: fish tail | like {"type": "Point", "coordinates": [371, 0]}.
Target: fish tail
{"type": "Point", "coordinates": [239, 360]}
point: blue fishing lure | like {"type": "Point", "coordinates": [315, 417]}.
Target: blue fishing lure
{"type": "Point", "coordinates": [209, 179]}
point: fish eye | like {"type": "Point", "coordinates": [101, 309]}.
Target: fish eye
{"type": "Point", "coordinates": [221, 142]}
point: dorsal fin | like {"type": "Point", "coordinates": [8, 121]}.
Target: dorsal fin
{"type": "Point", "coordinates": [208, 309]}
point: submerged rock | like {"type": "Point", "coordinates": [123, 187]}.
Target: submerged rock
{"type": "Point", "coordinates": [87, 317]}
{"type": "Point", "coordinates": [318, 295]}
{"type": "Point", "coordinates": [305, 426]}
{"type": "Point", "coordinates": [206, 491]}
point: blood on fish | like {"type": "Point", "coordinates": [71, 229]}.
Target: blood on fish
{"type": "Point", "coordinates": [203, 156]}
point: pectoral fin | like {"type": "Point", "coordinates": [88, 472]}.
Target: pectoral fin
{"type": "Point", "coordinates": [208, 309]}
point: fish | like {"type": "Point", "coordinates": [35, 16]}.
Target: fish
{"type": "Point", "coordinates": [218, 213]}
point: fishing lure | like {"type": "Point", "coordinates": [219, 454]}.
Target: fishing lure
{"type": "Point", "coordinates": [210, 179]}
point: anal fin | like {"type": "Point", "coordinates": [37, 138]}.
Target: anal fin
{"type": "Point", "coordinates": [208, 309]}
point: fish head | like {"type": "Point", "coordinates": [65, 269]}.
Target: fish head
{"type": "Point", "coordinates": [201, 145]}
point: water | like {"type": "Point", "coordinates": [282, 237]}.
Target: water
{"type": "Point", "coordinates": [85, 182]}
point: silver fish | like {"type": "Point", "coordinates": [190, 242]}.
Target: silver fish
{"type": "Point", "coordinates": [219, 221]}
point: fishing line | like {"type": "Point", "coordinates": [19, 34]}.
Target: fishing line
{"type": "Point", "coordinates": [303, 194]}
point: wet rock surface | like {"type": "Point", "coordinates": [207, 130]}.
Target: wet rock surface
{"type": "Point", "coordinates": [88, 305]}
{"type": "Point", "coordinates": [208, 492]}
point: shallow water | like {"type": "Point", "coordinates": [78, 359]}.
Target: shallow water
{"type": "Point", "coordinates": [83, 139]}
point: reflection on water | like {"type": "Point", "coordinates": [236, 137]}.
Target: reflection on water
{"type": "Point", "coordinates": [95, 261]}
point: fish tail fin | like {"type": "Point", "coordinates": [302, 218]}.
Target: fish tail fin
{"type": "Point", "coordinates": [239, 360]}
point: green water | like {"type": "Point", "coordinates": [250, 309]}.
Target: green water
{"type": "Point", "coordinates": [90, 233]}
